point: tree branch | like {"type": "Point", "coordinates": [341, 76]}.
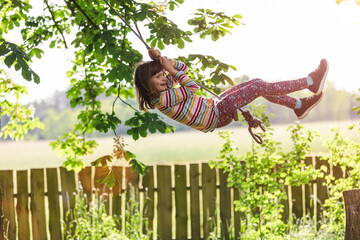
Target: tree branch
{"type": "Point", "coordinates": [119, 85]}
{"type": "Point", "coordinates": [122, 100]}
{"type": "Point", "coordinates": [56, 24]}
{"type": "Point", "coordinates": [71, 10]}
{"type": "Point", "coordinates": [83, 12]}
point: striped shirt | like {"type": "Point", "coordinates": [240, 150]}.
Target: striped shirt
{"type": "Point", "coordinates": [184, 106]}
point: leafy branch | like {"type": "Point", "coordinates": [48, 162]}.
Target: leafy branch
{"type": "Point", "coordinates": [15, 55]}
{"type": "Point", "coordinates": [55, 22]}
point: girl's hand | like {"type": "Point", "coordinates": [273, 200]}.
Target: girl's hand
{"type": "Point", "coordinates": [154, 54]}
{"type": "Point", "coordinates": [168, 65]}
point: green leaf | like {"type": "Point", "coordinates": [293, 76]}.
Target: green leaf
{"type": "Point", "coordinates": [4, 50]}
{"type": "Point", "coordinates": [237, 16]}
{"type": "Point", "coordinates": [181, 44]}
{"type": "Point", "coordinates": [129, 155]}
{"type": "Point", "coordinates": [36, 77]}
{"type": "Point", "coordinates": [10, 59]}
{"type": "Point", "coordinates": [52, 44]}
{"type": "Point", "coordinates": [152, 127]}
{"type": "Point", "coordinates": [160, 44]}
{"type": "Point", "coordinates": [160, 126]}
{"type": "Point", "coordinates": [138, 166]}
{"type": "Point", "coordinates": [26, 74]}
{"type": "Point", "coordinates": [102, 161]}
{"type": "Point", "coordinates": [17, 66]}
{"type": "Point", "coordinates": [356, 108]}
{"type": "Point", "coordinates": [38, 53]}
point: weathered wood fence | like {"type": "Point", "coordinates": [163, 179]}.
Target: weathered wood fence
{"type": "Point", "coordinates": [179, 199]}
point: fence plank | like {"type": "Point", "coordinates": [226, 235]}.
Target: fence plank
{"type": "Point", "coordinates": [336, 171]}
{"type": "Point", "coordinates": [225, 207]}
{"type": "Point", "coordinates": [195, 201]}
{"type": "Point", "coordinates": [38, 204]}
{"type": "Point", "coordinates": [320, 191]}
{"type": "Point", "coordinates": [297, 209]}
{"type": "Point", "coordinates": [181, 202]}
{"type": "Point", "coordinates": [68, 188]}
{"type": "Point", "coordinates": [22, 205]}
{"type": "Point", "coordinates": [209, 196]}
{"type": "Point", "coordinates": [132, 179]}
{"type": "Point", "coordinates": [148, 185]}
{"type": "Point", "coordinates": [54, 203]}
{"type": "Point", "coordinates": [309, 203]}
{"type": "Point", "coordinates": [7, 185]}
{"type": "Point", "coordinates": [237, 215]}
{"type": "Point", "coordinates": [100, 173]}
{"type": "Point", "coordinates": [164, 207]}
{"type": "Point", "coordinates": [117, 190]}
{"type": "Point", "coordinates": [86, 182]}
{"type": "Point", "coordinates": [2, 217]}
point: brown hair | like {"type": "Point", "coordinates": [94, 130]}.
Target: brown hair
{"type": "Point", "coordinates": [143, 72]}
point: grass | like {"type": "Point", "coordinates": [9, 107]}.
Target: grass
{"type": "Point", "coordinates": [190, 146]}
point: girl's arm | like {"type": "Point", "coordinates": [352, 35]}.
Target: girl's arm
{"type": "Point", "coordinates": [175, 96]}
{"type": "Point", "coordinates": [155, 55]}
{"type": "Point", "coordinates": [180, 66]}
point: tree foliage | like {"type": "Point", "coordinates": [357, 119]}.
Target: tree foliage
{"type": "Point", "coordinates": [20, 119]}
{"type": "Point", "coordinates": [104, 57]}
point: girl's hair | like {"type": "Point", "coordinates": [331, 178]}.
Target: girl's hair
{"type": "Point", "coordinates": [143, 72]}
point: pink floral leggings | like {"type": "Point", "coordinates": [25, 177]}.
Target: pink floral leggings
{"type": "Point", "coordinates": [244, 93]}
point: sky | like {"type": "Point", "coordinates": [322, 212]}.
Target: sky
{"type": "Point", "coordinates": [281, 40]}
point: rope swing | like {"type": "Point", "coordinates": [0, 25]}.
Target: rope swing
{"type": "Point", "coordinates": [252, 121]}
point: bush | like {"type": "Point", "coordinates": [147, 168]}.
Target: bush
{"type": "Point", "coordinates": [262, 175]}
{"type": "Point", "coordinates": [91, 221]}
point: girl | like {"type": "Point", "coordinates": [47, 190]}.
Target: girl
{"type": "Point", "coordinates": [155, 90]}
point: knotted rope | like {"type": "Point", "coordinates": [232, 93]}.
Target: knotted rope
{"type": "Point", "coordinates": [253, 122]}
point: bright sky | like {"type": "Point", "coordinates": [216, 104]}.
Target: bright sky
{"type": "Point", "coordinates": [282, 39]}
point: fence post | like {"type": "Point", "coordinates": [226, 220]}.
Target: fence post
{"type": "Point", "coordinates": [68, 190]}
{"type": "Point", "coordinates": [7, 184]}
{"type": "Point", "coordinates": [194, 201]}
{"type": "Point", "coordinates": [225, 204]}
{"type": "Point", "coordinates": [352, 208]}
{"type": "Point", "coordinates": [37, 204]}
{"type": "Point", "coordinates": [54, 203]}
{"type": "Point", "coordinates": [208, 178]}
{"type": "Point", "coordinates": [22, 205]}
{"type": "Point", "coordinates": [181, 202]}
{"type": "Point", "coordinates": [2, 218]}
{"type": "Point", "coordinates": [164, 207]}
{"type": "Point", "coordinates": [149, 199]}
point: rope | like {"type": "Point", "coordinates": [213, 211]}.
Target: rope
{"type": "Point", "coordinates": [252, 121]}
{"type": "Point", "coordinates": [128, 25]}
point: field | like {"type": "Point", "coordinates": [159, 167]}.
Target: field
{"type": "Point", "coordinates": [179, 147]}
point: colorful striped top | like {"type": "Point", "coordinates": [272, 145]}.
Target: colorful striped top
{"type": "Point", "coordinates": [184, 106]}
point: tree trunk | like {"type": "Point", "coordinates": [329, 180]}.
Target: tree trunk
{"type": "Point", "coordinates": [352, 208]}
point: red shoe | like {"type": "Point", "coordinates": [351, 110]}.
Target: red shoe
{"type": "Point", "coordinates": [319, 76]}
{"type": "Point", "coordinates": [307, 104]}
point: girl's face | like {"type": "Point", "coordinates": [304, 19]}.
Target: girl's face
{"type": "Point", "coordinates": [158, 82]}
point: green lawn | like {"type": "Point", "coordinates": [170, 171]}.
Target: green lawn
{"type": "Point", "coordinates": [179, 147]}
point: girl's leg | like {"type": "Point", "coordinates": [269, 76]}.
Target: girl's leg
{"type": "Point", "coordinates": [235, 88]}
{"type": "Point", "coordinates": [243, 94]}
{"type": "Point", "coordinates": [284, 100]}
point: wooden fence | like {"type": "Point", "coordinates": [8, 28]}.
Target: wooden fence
{"type": "Point", "coordinates": [179, 199]}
